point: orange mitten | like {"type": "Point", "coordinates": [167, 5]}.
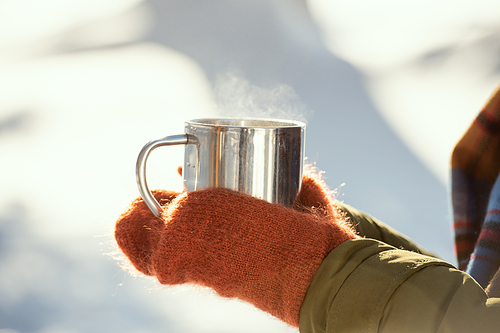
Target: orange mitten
{"type": "Point", "coordinates": [238, 245]}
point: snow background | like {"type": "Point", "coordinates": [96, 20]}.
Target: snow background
{"type": "Point", "coordinates": [386, 89]}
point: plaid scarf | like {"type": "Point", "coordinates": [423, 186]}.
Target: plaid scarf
{"type": "Point", "coordinates": [475, 194]}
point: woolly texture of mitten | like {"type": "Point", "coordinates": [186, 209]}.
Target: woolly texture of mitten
{"type": "Point", "coordinates": [240, 246]}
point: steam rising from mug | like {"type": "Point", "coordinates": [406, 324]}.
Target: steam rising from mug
{"type": "Point", "coordinates": [236, 97]}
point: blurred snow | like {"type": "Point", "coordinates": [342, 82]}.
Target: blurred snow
{"type": "Point", "coordinates": [429, 65]}
{"type": "Point", "coordinates": [386, 90]}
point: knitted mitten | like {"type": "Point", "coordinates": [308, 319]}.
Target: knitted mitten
{"type": "Point", "coordinates": [238, 245]}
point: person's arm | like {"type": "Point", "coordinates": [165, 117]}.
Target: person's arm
{"type": "Point", "coordinates": [306, 266]}
{"type": "Point", "coordinates": [369, 227]}
{"type": "Point", "coordinates": [365, 285]}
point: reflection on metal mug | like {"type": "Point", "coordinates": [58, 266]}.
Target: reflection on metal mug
{"type": "Point", "coordinates": [260, 157]}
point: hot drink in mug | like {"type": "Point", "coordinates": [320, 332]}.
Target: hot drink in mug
{"type": "Point", "coordinates": [259, 157]}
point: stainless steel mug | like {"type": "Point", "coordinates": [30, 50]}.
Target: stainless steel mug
{"type": "Point", "coordinates": [260, 157]}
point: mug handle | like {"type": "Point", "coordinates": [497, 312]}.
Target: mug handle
{"type": "Point", "coordinates": [140, 169]}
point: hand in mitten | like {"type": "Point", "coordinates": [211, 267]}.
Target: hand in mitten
{"type": "Point", "coordinates": [238, 245]}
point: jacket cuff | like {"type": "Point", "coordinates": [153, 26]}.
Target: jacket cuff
{"type": "Point", "coordinates": [354, 283]}
{"type": "Point", "coordinates": [370, 227]}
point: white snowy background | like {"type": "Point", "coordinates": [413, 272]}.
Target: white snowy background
{"type": "Point", "coordinates": [386, 87]}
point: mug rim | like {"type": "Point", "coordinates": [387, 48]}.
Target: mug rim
{"type": "Point", "coordinates": [268, 123]}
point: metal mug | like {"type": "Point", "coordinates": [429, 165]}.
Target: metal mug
{"type": "Point", "coordinates": [260, 157]}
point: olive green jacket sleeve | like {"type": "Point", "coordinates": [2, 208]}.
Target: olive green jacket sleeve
{"type": "Point", "coordinates": [365, 285]}
{"type": "Point", "coordinates": [369, 227]}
